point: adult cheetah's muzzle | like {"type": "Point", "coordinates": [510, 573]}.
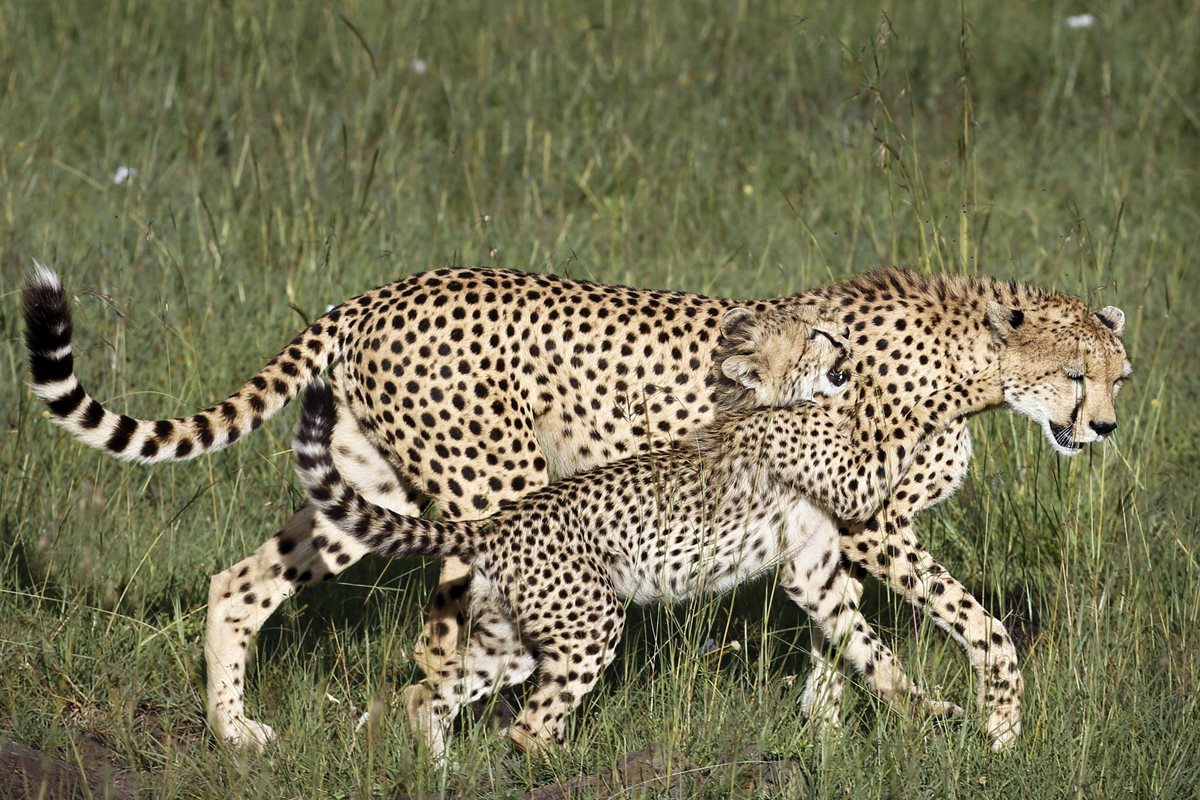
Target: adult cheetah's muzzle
{"type": "Point", "coordinates": [1062, 436]}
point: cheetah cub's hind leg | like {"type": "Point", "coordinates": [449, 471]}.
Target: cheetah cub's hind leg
{"type": "Point", "coordinates": [572, 654]}
{"type": "Point", "coordinates": [493, 658]}
{"type": "Point", "coordinates": [307, 550]}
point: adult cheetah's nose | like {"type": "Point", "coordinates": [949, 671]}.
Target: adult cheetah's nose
{"type": "Point", "coordinates": [1103, 428]}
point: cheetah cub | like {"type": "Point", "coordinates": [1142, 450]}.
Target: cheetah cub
{"type": "Point", "coordinates": [727, 504]}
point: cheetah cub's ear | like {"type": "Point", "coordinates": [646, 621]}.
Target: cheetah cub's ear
{"type": "Point", "coordinates": [740, 330]}
{"type": "Point", "coordinates": [741, 369]}
{"type": "Point", "coordinates": [737, 322]}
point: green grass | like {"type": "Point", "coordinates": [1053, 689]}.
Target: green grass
{"type": "Point", "coordinates": [288, 158]}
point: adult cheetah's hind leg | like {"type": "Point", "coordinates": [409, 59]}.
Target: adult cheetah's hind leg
{"type": "Point", "coordinates": [442, 635]}
{"type": "Point", "coordinates": [473, 487]}
{"type": "Point", "coordinates": [305, 551]}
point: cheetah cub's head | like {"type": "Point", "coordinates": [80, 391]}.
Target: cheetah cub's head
{"type": "Point", "coordinates": [1062, 366]}
{"type": "Point", "coordinates": [779, 358]}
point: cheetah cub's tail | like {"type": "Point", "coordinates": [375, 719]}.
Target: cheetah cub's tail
{"type": "Point", "coordinates": [387, 533]}
{"type": "Point", "coordinates": [48, 339]}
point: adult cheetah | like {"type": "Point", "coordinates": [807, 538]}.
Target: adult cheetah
{"type": "Point", "coordinates": [467, 387]}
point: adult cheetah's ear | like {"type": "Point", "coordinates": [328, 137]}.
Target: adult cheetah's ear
{"type": "Point", "coordinates": [1114, 318]}
{"type": "Point", "coordinates": [1003, 320]}
{"type": "Point", "coordinates": [737, 321]}
{"type": "Point", "coordinates": [743, 370]}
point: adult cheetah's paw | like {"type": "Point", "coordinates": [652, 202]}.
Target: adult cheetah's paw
{"type": "Point", "coordinates": [1003, 727]}
{"type": "Point", "coordinates": [532, 745]}
{"type": "Point", "coordinates": [247, 734]}
{"type": "Point", "coordinates": [821, 703]}
{"type": "Point", "coordinates": [430, 656]}
{"type": "Point", "coordinates": [416, 698]}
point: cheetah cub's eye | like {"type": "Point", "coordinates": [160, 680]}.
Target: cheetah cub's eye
{"type": "Point", "coordinates": [837, 377]}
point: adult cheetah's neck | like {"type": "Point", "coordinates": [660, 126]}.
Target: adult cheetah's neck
{"type": "Point", "coordinates": [965, 291]}
{"type": "Point", "coordinates": [914, 332]}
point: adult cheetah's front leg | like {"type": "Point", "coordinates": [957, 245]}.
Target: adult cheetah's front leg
{"type": "Point", "coordinates": [818, 582]}
{"type": "Point", "coordinates": [887, 547]}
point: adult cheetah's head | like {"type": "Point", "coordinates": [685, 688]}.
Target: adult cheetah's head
{"type": "Point", "coordinates": [778, 358]}
{"type": "Point", "coordinates": [1062, 366]}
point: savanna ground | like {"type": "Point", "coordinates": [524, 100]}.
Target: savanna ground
{"type": "Point", "coordinates": [288, 158]}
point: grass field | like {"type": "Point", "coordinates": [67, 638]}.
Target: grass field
{"type": "Point", "coordinates": [288, 158]}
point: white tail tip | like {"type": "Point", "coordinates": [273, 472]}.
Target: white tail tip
{"type": "Point", "coordinates": [43, 276]}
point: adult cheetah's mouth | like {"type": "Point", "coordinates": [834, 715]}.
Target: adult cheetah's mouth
{"type": "Point", "coordinates": [1061, 436]}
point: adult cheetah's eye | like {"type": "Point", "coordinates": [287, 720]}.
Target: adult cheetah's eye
{"type": "Point", "coordinates": [1074, 375]}
{"type": "Point", "coordinates": [837, 376]}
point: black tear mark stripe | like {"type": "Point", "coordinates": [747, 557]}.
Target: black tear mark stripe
{"type": "Point", "coordinates": [48, 333]}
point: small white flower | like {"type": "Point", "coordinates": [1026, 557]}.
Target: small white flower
{"type": "Point", "coordinates": [418, 66]}
{"type": "Point", "coordinates": [1076, 21]}
{"type": "Point", "coordinates": [124, 174]}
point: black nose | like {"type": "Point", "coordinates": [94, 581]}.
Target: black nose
{"type": "Point", "coordinates": [1103, 428]}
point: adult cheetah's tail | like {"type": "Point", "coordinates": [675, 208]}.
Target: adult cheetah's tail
{"type": "Point", "coordinates": [387, 533]}
{"type": "Point", "coordinates": [48, 339]}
